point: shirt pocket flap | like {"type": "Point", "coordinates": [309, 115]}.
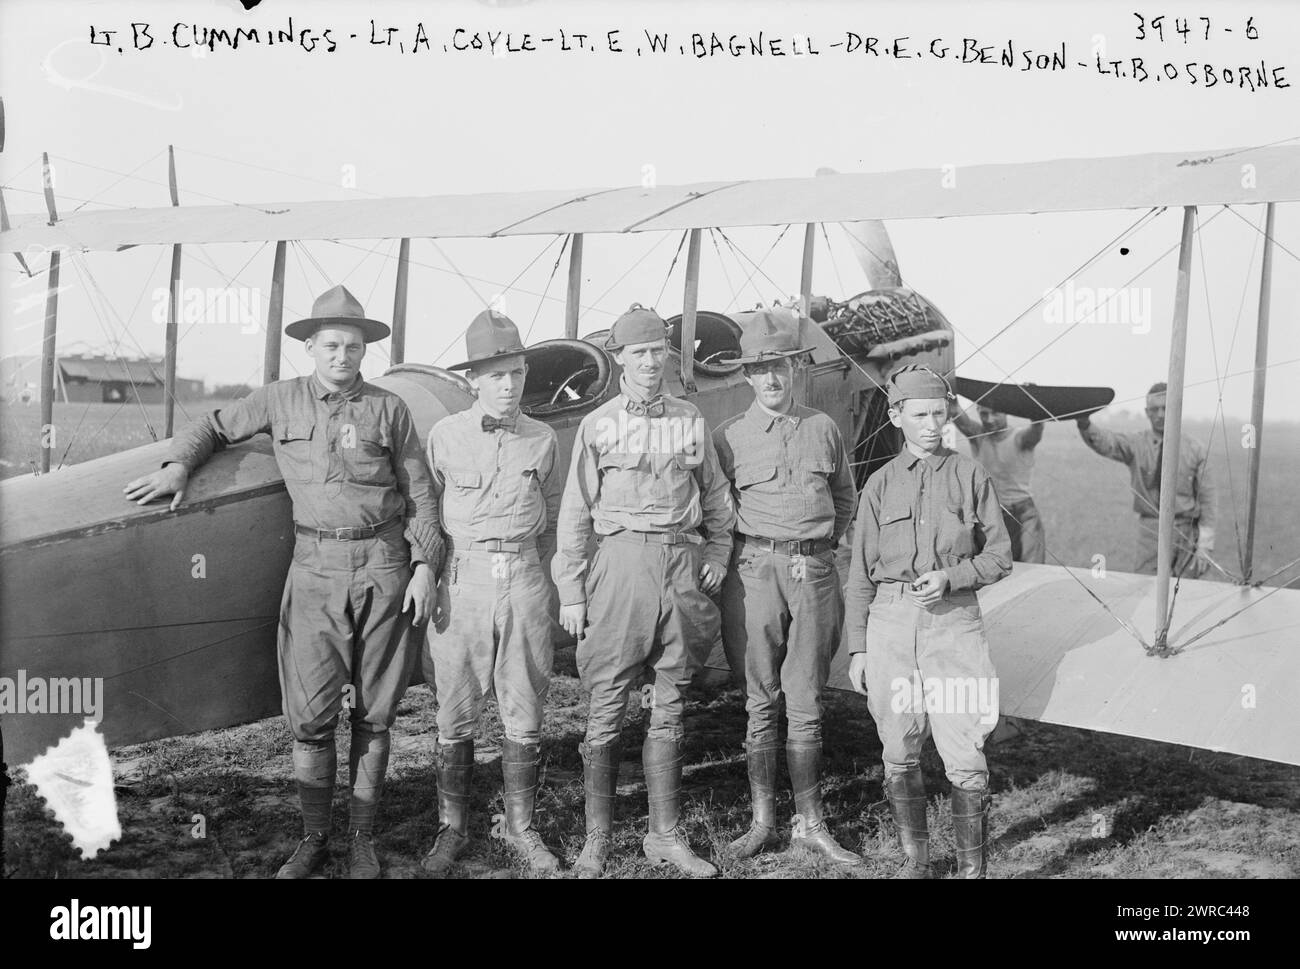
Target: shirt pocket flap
{"type": "Point", "coordinates": [820, 467]}
{"type": "Point", "coordinates": [754, 474]}
{"type": "Point", "coordinates": [620, 460]}
{"type": "Point", "coordinates": [465, 479]}
{"type": "Point", "coordinates": [381, 437]}
{"type": "Point", "coordinates": [294, 431]}
{"type": "Point", "coordinates": [896, 513]}
{"type": "Point", "coordinates": [964, 516]}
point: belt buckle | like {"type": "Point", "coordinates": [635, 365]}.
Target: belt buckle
{"type": "Point", "coordinates": [493, 544]}
{"type": "Point", "coordinates": [669, 538]}
{"type": "Point", "coordinates": [343, 534]}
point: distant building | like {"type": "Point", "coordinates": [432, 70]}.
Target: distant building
{"type": "Point", "coordinates": [92, 379]}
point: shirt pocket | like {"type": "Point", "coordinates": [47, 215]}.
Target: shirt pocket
{"type": "Point", "coordinates": [527, 504]}
{"type": "Point", "coordinates": [897, 543]}
{"type": "Point", "coordinates": [371, 461]}
{"type": "Point", "coordinates": [463, 482]}
{"type": "Point", "coordinates": [956, 533]}
{"type": "Point", "coordinates": [816, 493]}
{"type": "Point", "coordinates": [621, 477]}
{"type": "Point", "coordinates": [293, 441]}
{"type": "Point", "coordinates": [748, 475]}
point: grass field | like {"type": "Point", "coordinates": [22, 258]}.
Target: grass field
{"type": "Point", "coordinates": [1069, 803]}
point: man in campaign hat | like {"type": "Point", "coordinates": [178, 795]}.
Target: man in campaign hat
{"type": "Point", "coordinates": [366, 552]}
{"type": "Point", "coordinates": [645, 483]}
{"type": "Point", "coordinates": [497, 476]}
{"type": "Point", "coordinates": [929, 533]}
{"type": "Point", "coordinates": [781, 601]}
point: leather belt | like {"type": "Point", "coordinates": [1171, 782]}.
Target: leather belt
{"type": "Point", "coordinates": [808, 546]}
{"type": "Point", "coordinates": [657, 538]}
{"type": "Point", "coordinates": [350, 534]}
{"type": "Point", "coordinates": [496, 545]}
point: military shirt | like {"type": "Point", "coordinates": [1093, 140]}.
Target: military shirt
{"type": "Point", "coordinates": [790, 476]}
{"type": "Point", "coordinates": [500, 484]}
{"type": "Point", "coordinates": [348, 457]}
{"type": "Point", "coordinates": [643, 465]}
{"type": "Point", "coordinates": [1194, 496]}
{"type": "Point", "coordinates": [918, 515]}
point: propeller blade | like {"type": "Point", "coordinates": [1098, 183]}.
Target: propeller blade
{"type": "Point", "coordinates": [875, 253]}
{"type": "Point", "coordinates": [871, 246]}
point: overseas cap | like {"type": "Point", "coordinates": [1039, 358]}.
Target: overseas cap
{"type": "Point", "coordinates": [916, 382]}
{"type": "Point", "coordinates": [637, 325]}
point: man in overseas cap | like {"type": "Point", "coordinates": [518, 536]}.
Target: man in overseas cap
{"type": "Point", "coordinates": [781, 601]}
{"type": "Point", "coordinates": [929, 533]}
{"type": "Point", "coordinates": [645, 481]}
{"type": "Point", "coordinates": [367, 550]}
{"type": "Point", "coordinates": [1194, 500]}
{"type": "Point", "coordinates": [495, 471]}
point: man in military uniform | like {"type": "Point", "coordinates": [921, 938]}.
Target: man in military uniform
{"type": "Point", "coordinates": [1194, 501]}
{"type": "Point", "coordinates": [367, 550]}
{"type": "Point", "coordinates": [929, 533]}
{"type": "Point", "coordinates": [495, 471]}
{"type": "Point", "coordinates": [1008, 457]}
{"type": "Point", "coordinates": [645, 484]}
{"type": "Point", "coordinates": [781, 601]}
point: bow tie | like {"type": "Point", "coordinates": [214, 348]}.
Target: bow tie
{"type": "Point", "coordinates": [497, 424]}
{"type": "Point", "coordinates": [652, 408]}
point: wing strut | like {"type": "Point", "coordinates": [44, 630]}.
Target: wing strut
{"type": "Point", "coordinates": [169, 338]}
{"type": "Point", "coordinates": [1173, 430]}
{"type": "Point", "coordinates": [274, 318]}
{"type": "Point", "coordinates": [571, 301]}
{"type": "Point", "coordinates": [51, 327]}
{"type": "Point", "coordinates": [689, 300]}
{"type": "Point", "coordinates": [1257, 395]}
{"type": "Point", "coordinates": [805, 275]}
{"type": "Point", "coordinates": [397, 346]}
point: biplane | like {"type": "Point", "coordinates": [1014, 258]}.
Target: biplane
{"type": "Point", "coordinates": [1161, 658]}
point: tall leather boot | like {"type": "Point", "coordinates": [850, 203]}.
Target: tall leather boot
{"type": "Point", "coordinates": [600, 780]}
{"type": "Point", "coordinates": [970, 827]}
{"type": "Point", "coordinates": [455, 771]}
{"type": "Point", "coordinates": [804, 761]}
{"type": "Point", "coordinates": [762, 794]}
{"type": "Point", "coordinates": [906, 793]}
{"type": "Point", "coordinates": [519, 779]}
{"type": "Point", "coordinates": [663, 784]}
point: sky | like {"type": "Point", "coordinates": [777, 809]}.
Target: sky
{"type": "Point", "coordinates": [281, 123]}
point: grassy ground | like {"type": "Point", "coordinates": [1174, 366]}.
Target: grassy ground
{"type": "Point", "coordinates": [83, 431]}
{"type": "Point", "coordinates": [1069, 803]}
